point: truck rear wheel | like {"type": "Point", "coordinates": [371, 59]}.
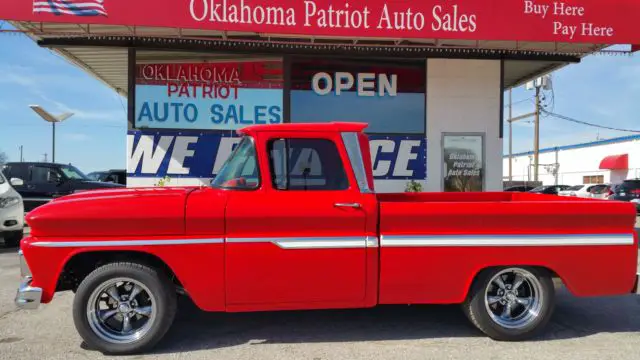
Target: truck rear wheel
{"type": "Point", "coordinates": [511, 304]}
{"type": "Point", "coordinates": [124, 308]}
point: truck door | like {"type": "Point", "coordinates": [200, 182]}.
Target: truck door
{"type": "Point", "coordinates": [299, 240]}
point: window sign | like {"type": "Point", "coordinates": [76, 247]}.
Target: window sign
{"type": "Point", "coordinates": [208, 96]}
{"type": "Point", "coordinates": [463, 162]}
{"type": "Point", "coordinates": [389, 97]}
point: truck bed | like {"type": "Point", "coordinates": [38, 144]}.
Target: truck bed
{"type": "Point", "coordinates": [590, 244]}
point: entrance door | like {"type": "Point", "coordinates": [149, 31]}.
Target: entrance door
{"type": "Point", "coordinates": [298, 240]}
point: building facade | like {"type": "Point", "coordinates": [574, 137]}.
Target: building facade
{"type": "Point", "coordinates": [601, 162]}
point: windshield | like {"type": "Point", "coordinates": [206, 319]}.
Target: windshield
{"type": "Point", "coordinates": [241, 169]}
{"type": "Point", "coordinates": [539, 188]}
{"type": "Point", "coordinates": [575, 188]}
{"type": "Point", "coordinates": [72, 173]}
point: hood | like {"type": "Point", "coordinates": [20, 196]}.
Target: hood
{"type": "Point", "coordinates": [115, 212]}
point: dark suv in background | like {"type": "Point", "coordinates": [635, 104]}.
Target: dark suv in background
{"type": "Point", "coordinates": [629, 190]}
{"type": "Point", "coordinates": [39, 183]}
{"type": "Point", "coordinates": [113, 176]}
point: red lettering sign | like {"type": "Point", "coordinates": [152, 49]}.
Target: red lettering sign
{"type": "Point", "coordinates": [585, 21]}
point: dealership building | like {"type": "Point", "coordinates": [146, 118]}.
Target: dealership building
{"type": "Point", "coordinates": [428, 77]}
{"type": "Point", "coordinates": [608, 161]}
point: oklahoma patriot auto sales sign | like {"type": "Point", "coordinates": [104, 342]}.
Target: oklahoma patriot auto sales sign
{"type": "Point", "coordinates": [587, 21]}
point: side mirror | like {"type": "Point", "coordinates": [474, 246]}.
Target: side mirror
{"type": "Point", "coordinates": [16, 182]}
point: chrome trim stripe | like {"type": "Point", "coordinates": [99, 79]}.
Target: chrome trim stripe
{"type": "Point", "coordinates": [119, 243]}
{"type": "Point", "coordinates": [309, 242]}
{"type": "Point", "coordinates": [372, 241]}
{"type": "Point", "coordinates": [508, 240]}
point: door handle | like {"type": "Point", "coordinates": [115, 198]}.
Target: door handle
{"type": "Point", "coordinates": [349, 205]}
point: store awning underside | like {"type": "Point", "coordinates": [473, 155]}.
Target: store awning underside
{"type": "Point", "coordinates": [102, 50]}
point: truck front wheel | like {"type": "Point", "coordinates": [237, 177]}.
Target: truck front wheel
{"type": "Point", "coordinates": [511, 304]}
{"type": "Point", "coordinates": [124, 308]}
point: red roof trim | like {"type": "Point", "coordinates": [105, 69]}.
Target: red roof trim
{"type": "Point", "coordinates": [615, 162]}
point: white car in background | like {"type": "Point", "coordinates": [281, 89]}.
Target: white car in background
{"type": "Point", "coordinates": [11, 214]}
{"type": "Point", "coordinates": [582, 191]}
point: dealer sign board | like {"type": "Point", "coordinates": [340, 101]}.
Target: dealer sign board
{"type": "Point", "coordinates": [585, 21]}
{"type": "Point", "coordinates": [208, 96]}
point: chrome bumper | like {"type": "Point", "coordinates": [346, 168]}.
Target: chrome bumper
{"type": "Point", "coordinates": [28, 297]}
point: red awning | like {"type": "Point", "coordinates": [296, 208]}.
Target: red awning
{"type": "Point", "coordinates": [615, 162]}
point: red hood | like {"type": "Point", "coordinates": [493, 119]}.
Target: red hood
{"type": "Point", "coordinates": [119, 212]}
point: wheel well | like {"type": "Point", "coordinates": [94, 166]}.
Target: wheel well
{"type": "Point", "coordinates": [82, 264]}
{"type": "Point", "coordinates": [554, 276]}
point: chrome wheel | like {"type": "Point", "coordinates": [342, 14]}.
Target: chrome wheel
{"type": "Point", "coordinates": [121, 310]}
{"type": "Point", "coordinates": [513, 298]}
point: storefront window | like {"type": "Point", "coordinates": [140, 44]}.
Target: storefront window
{"type": "Point", "coordinates": [389, 97]}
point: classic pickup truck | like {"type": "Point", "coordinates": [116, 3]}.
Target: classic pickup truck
{"type": "Point", "coordinates": [292, 222]}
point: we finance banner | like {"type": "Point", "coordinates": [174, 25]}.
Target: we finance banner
{"type": "Point", "coordinates": [585, 21]}
{"type": "Point", "coordinates": [208, 96]}
{"type": "Point", "coordinates": [192, 154]}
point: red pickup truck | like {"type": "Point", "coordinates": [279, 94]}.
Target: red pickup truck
{"type": "Point", "coordinates": [292, 222]}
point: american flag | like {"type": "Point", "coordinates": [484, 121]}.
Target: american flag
{"type": "Point", "coordinates": [70, 7]}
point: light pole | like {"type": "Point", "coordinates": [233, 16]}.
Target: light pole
{"type": "Point", "coordinates": [53, 120]}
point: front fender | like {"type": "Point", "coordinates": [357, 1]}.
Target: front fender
{"type": "Point", "coordinates": [199, 266]}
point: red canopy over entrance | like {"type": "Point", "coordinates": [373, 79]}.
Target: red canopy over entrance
{"type": "Point", "coordinates": [615, 162]}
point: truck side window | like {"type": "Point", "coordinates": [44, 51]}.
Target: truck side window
{"type": "Point", "coordinates": [240, 172]}
{"type": "Point", "coordinates": [17, 171]}
{"type": "Point", "coordinates": [45, 174]}
{"type": "Point", "coordinates": [311, 164]}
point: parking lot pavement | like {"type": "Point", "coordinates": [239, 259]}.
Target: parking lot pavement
{"type": "Point", "coordinates": [598, 328]}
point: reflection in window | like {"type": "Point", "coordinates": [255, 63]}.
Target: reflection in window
{"type": "Point", "coordinates": [311, 164]}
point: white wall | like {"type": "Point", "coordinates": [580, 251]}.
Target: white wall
{"type": "Point", "coordinates": [579, 162]}
{"type": "Point", "coordinates": [464, 96]}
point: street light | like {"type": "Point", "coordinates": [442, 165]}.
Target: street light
{"type": "Point", "coordinates": [53, 120]}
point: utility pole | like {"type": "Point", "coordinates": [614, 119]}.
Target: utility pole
{"type": "Point", "coordinates": [21, 157]}
{"type": "Point", "coordinates": [510, 137]}
{"type": "Point", "coordinates": [536, 140]}
{"type": "Point", "coordinates": [53, 143]}
{"type": "Point", "coordinates": [45, 157]}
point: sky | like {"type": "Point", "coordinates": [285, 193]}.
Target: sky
{"type": "Point", "coordinates": [94, 138]}
{"type": "Point", "coordinates": [602, 89]}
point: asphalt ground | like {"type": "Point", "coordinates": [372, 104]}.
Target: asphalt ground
{"type": "Point", "coordinates": [581, 328]}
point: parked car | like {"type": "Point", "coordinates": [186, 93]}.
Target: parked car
{"type": "Point", "coordinates": [629, 190]}
{"type": "Point", "coordinates": [39, 183]}
{"type": "Point", "coordinates": [582, 191]}
{"type": "Point", "coordinates": [278, 231]}
{"type": "Point", "coordinates": [519, 188]}
{"type": "Point", "coordinates": [112, 176]}
{"type": "Point", "coordinates": [11, 214]}
{"type": "Point", "coordinates": [605, 193]}
{"type": "Point", "coordinates": [549, 189]}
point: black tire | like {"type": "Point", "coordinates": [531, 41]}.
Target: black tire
{"type": "Point", "coordinates": [156, 282]}
{"type": "Point", "coordinates": [476, 309]}
{"type": "Point", "coordinates": [12, 238]}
